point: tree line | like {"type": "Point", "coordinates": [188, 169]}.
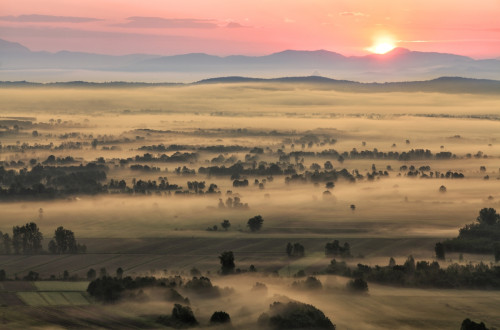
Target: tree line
{"type": "Point", "coordinates": [27, 239]}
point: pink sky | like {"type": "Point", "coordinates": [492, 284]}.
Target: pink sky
{"type": "Point", "coordinates": [254, 27]}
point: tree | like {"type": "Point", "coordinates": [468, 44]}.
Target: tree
{"type": "Point", "coordinates": [225, 224]}
{"type": "Point", "coordinates": [7, 243]}
{"type": "Point", "coordinates": [289, 249]}
{"type": "Point", "coordinates": [52, 247]}
{"type": "Point", "coordinates": [439, 249]}
{"type": "Point", "coordinates": [358, 285]}
{"type": "Point", "coordinates": [28, 237]}
{"type": "Point", "coordinates": [296, 250]}
{"type": "Point", "coordinates": [3, 275]}
{"type": "Point", "coordinates": [183, 315]}
{"type": "Point", "coordinates": [17, 241]}
{"type": "Point", "coordinates": [65, 275]}
{"type": "Point", "coordinates": [227, 262]}
{"type": "Point", "coordinates": [119, 273]}
{"type": "Point", "coordinates": [220, 318]}
{"type": "Point", "coordinates": [496, 251]}
{"type": "Point", "coordinates": [488, 216]}
{"type": "Point", "coordinates": [255, 223]}
{"type": "Point", "coordinates": [91, 274]}
{"type": "Point", "coordinates": [65, 241]}
{"type": "Point", "coordinates": [32, 276]}
{"type": "Point", "coordinates": [442, 189]}
{"type": "Point", "coordinates": [468, 324]}
{"type": "Point", "coordinates": [294, 315]}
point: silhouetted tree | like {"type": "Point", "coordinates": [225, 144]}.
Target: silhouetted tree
{"type": "Point", "coordinates": [467, 324]}
{"type": "Point", "coordinates": [255, 223]}
{"type": "Point", "coordinates": [3, 275]}
{"type": "Point", "coordinates": [294, 315]}
{"type": "Point", "coordinates": [289, 249]}
{"type": "Point", "coordinates": [439, 249]}
{"type": "Point", "coordinates": [119, 273]}
{"type": "Point", "coordinates": [91, 274]}
{"type": "Point", "coordinates": [227, 262]}
{"type": "Point", "coordinates": [220, 318]}
{"type": "Point", "coordinates": [488, 216]}
{"type": "Point", "coordinates": [496, 251]}
{"type": "Point", "coordinates": [32, 276]}
{"type": "Point", "coordinates": [28, 237]}
{"type": "Point", "coordinates": [225, 224]}
{"type": "Point", "coordinates": [358, 285]}
{"type": "Point", "coordinates": [64, 242]}
{"type": "Point", "coordinates": [181, 317]}
{"type": "Point", "coordinates": [295, 250]}
{"type": "Point", "coordinates": [194, 272]}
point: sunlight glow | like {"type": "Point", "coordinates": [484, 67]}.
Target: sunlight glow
{"type": "Point", "coordinates": [382, 48]}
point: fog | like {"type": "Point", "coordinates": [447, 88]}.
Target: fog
{"type": "Point", "coordinates": [171, 230]}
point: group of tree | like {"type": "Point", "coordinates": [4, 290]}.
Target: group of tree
{"type": "Point", "coordinates": [52, 181]}
{"type": "Point", "coordinates": [335, 249]}
{"type": "Point", "coordinates": [310, 283]}
{"type": "Point", "coordinates": [468, 324]}
{"type": "Point", "coordinates": [295, 250]}
{"type": "Point", "coordinates": [233, 203]}
{"type": "Point", "coordinates": [294, 315]}
{"type": "Point", "coordinates": [238, 170]}
{"type": "Point", "coordinates": [483, 236]}
{"type": "Point", "coordinates": [255, 223]}
{"type": "Point", "coordinates": [27, 239]}
{"type": "Point", "coordinates": [110, 289]}
{"type": "Point", "coordinates": [423, 274]}
{"type": "Point", "coordinates": [64, 242]}
{"type": "Point", "coordinates": [183, 317]}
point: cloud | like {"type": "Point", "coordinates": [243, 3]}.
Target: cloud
{"type": "Point", "coordinates": [54, 39]}
{"type": "Point", "coordinates": [168, 23]}
{"type": "Point", "coordinates": [353, 13]}
{"type": "Point", "coordinates": [235, 25]}
{"type": "Point", "coordinates": [448, 40]}
{"type": "Point", "coordinates": [47, 18]}
{"type": "Point", "coordinates": [288, 20]}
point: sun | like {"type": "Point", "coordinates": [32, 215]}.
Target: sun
{"type": "Point", "coordinates": [382, 43]}
{"type": "Point", "coordinates": [382, 48]}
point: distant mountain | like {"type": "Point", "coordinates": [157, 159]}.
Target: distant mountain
{"type": "Point", "coordinates": [440, 85]}
{"type": "Point", "coordinates": [19, 63]}
{"type": "Point", "coordinates": [450, 85]}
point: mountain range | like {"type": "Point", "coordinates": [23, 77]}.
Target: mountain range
{"type": "Point", "coordinates": [17, 62]}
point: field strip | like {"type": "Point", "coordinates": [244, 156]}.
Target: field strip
{"type": "Point", "coordinates": [42, 264]}
{"type": "Point", "coordinates": [13, 260]}
{"type": "Point", "coordinates": [90, 265]}
{"type": "Point", "coordinates": [33, 299]}
{"type": "Point", "coordinates": [300, 264]}
{"type": "Point", "coordinates": [145, 262]}
{"type": "Point", "coordinates": [61, 286]}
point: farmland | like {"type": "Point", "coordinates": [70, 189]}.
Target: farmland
{"type": "Point", "coordinates": [145, 177]}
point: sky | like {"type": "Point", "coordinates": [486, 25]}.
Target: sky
{"type": "Point", "coordinates": [255, 27]}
